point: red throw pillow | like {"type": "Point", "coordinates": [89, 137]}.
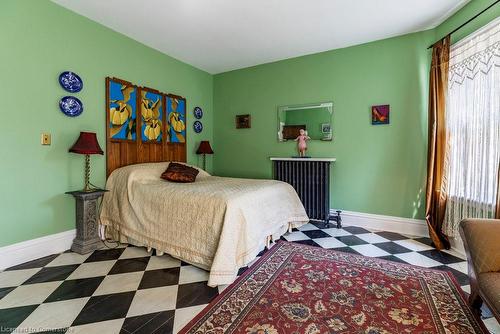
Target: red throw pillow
{"type": "Point", "coordinates": [179, 173]}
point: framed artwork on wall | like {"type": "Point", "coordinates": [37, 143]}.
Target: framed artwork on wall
{"type": "Point", "coordinates": [243, 122]}
{"type": "Point", "coordinates": [143, 125]}
{"type": "Point", "coordinates": [151, 111]}
{"type": "Point", "coordinates": [380, 114]}
{"type": "Point", "coordinates": [326, 128]}
{"type": "Point", "coordinates": [176, 118]}
{"type": "Point", "coordinates": [121, 102]}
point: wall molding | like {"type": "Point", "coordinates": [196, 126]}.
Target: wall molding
{"type": "Point", "coordinates": [408, 226]}
{"type": "Point", "coordinates": [29, 250]}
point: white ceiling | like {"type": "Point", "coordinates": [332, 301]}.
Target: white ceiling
{"type": "Point", "coordinates": [223, 35]}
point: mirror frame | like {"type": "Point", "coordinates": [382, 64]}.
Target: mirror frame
{"type": "Point", "coordinates": [304, 106]}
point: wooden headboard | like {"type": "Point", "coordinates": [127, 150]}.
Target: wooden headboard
{"type": "Point", "coordinates": [134, 149]}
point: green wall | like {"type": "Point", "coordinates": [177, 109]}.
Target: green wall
{"type": "Point", "coordinates": [39, 40]}
{"type": "Point", "coordinates": [468, 11]}
{"type": "Point", "coordinates": [379, 169]}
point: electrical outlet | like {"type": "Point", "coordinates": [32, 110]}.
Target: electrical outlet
{"type": "Point", "coordinates": [45, 139]}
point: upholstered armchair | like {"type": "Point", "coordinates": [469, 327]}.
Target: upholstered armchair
{"type": "Point", "coordinates": [481, 239]}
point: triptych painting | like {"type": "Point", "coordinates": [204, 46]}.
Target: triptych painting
{"type": "Point", "coordinates": [139, 111]}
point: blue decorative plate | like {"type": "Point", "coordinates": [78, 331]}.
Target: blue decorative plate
{"type": "Point", "coordinates": [197, 126]}
{"type": "Point", "coordinates": [198, 113]}
{"type": "Point", "coordinates": [71, 106]}
{"type": "Point", "coordinates": [71, 82]}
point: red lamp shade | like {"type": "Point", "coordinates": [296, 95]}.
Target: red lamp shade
{"type": "Point", "coordinates": [204, 148]}
{"type": "Point", "coordinates": [86, 144]}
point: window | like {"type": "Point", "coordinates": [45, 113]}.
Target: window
{"type": "Point", "coordinates": [473, 125]}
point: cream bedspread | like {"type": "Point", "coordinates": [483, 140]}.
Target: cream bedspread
{"type": "Point", "coordinates": [217, 223]}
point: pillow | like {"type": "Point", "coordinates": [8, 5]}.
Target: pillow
{"type": "Point", "coordinates": [176, 172]}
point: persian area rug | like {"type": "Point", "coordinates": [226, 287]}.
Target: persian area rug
{"type": "Point", "coordinates": [296, 288]}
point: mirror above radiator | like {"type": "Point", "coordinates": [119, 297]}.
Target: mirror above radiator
{"type": "Point", "coordinates": [315, 118]}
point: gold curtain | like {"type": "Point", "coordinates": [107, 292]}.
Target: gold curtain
{"type": "Point", "coordinates": [435, 204]}
{"type": "Point", "coordinates": [497, 214]}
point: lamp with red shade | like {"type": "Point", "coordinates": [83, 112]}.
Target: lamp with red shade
{"type": "Point", "coordinates": [204, 149]}
{"type": "Point", "coordinates": [87, 144]}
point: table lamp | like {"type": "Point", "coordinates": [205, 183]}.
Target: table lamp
{"type": "Point", "coordinates": [87, 144]}
{"type": "Point", "coordinates": [204, 149]}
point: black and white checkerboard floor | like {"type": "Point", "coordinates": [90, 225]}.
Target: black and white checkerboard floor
{"type": "Point", "coordinates": [127, 290]}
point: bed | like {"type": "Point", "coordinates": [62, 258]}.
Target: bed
{"type": "Point", "coordinates": [216, 223]}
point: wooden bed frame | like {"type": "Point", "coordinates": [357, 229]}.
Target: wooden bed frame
{"type": "Point", "coordinates": [121, 152]}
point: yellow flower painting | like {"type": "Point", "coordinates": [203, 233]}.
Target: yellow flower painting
{"type": "Point", "coordinates": [122, 110]}
{"type": "Point", "coordinates": [152, 114]}
{"type": "Point", "coordinates": [176, 127]}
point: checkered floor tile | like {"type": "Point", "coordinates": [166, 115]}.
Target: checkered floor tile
{"type": "Point", "coordinates": [128, 290]}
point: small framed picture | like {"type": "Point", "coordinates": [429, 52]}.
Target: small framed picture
{"type": "Point", "coordinates": [243, 122]}
{"type": "Point", "coordinates": [380, 114]}
{"type": "Point", "coordinates": [326, 128]}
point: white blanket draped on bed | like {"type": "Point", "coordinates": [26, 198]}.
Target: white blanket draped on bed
{"type": "Point", "coordinates": [217, 223]}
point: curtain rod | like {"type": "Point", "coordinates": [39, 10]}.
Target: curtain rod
{"type": "Point", "coordinates": [467, 22]}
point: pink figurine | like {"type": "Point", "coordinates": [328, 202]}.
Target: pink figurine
{"type": "Point", "coordinates": [302, 142]}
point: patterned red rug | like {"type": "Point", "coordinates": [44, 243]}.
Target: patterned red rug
{"type": "Point", "coordinates": [295, 288]}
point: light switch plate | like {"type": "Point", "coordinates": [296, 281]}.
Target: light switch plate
{"type": "Point", "coordinates": [45, 139]}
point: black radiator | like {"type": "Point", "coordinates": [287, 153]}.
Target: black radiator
{"type": "Point", "coordinates": [311, 180]}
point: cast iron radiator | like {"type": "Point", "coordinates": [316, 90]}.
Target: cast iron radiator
{"type": "Point", "coordinates": [311, 180]}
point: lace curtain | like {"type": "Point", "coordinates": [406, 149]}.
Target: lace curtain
{"type": "Point", "coordinates": [473, 124]}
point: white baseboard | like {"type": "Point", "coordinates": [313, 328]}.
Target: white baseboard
{"type": "Point", "coordinates": [36, 248]}
{"type": "Point", "coordinates": [56, 243]}
{"type": "Point", "coordinates": [407, 226]}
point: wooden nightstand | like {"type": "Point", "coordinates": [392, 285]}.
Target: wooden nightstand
{"type": "Point", "coordinates": [87, 226]}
